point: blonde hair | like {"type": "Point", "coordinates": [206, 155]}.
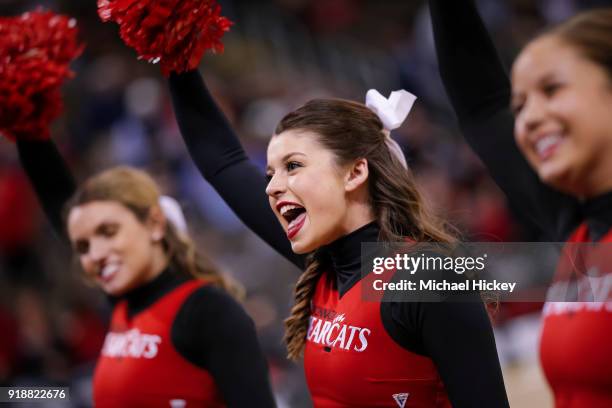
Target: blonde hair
{"type": "Point", "coordinates": [590, 32]}
{"type": "Point", "coordinates": [138, 192]}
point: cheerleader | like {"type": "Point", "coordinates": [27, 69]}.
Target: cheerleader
{"type": "Point", "coordinates": [176, 333]}
{"type": "Point", "coordinates": [177, 336]}
{"type": "Point", "coordinates": [334, 180]}
{"type": "Point", "coordinates": [546, 138]}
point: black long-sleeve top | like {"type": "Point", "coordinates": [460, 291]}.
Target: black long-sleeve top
{"type": "Point", "coordinates": [456, 336]}
{"type": "Point", "coordinates": [479, 90]}
{"type": "Point", "coordinates": [211, 330]}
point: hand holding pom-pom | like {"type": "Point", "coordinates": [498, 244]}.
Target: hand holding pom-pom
{"type": "Point", "coordinates": [174, 33]}
{"type": "Point", "coordinates": [36, 49]}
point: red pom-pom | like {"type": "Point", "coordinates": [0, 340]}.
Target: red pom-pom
{"type": "Point", "coordinates": [36, 49]}
{"type": "Point", "coordinates": [174, 33]}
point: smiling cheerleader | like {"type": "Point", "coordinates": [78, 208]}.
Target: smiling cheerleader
{"type": "Point", "coordinates": [547, 141]}
{"type": "Point", "coordinates": [177, 336]}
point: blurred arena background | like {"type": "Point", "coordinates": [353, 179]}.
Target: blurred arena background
{"type": "Point", "coordinates": [279, 54]}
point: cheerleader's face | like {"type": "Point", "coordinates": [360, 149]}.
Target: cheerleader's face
{"type": "Point", "coordinates": [563, 108]}
{"type": "Point", "coordinates": [114, 247]}
{"type": "Point", "coordinates": [308, 191]}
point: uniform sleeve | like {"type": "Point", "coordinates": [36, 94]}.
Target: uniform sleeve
{"type": "Point", "coordinates": [50, 177]}
{"type": "Point", "coordinates": [458, 337]}
{"type": "Point", "coordinates": [214, 332]}
{"type": "Point", "coordinates": [220, 158]}
{"type": "Point", "coordinates": [479, 91]}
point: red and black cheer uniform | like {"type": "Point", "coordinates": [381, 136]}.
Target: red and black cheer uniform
{"type": "Point", "coordinates": [173, 342]}
{"type": "Point", "coordinates": [576, 336]}
{"type": "Point", "coordinates": [417, 354]}
{"type": "Point", "coordinates": [347, 334]}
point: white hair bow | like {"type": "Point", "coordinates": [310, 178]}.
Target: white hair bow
{"type": "Point", "coordinates": [392, 113]}
{"type": "Point", "coordinates": [174, 214]}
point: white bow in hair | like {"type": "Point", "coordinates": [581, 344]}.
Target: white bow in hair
{"type": "Point", "coordinates": [172, 210]}
{"type": "Point", "coordinates": [393, 111]}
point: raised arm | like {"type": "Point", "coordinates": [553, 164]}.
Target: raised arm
{"type": "Point", "coordinates": [222, 161]}
{"type": "Point", "coordinates": [479, 91]}
{"type": "Point", "coordinates": [50, 178]}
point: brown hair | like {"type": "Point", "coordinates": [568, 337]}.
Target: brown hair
{"type": "Point", "coordinates": [591, 33]}
{"type": "Point", "coordinates": [138, 192]}
{"type": "Point", "coordinates": [352, 131]}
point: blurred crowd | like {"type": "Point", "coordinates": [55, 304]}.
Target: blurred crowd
{"type": "Point", "coordinates": [279, 54]}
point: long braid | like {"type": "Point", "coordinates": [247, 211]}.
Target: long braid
{"type": "Point", "coordinates": [296, 325]}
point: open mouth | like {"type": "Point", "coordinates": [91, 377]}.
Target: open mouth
{"type": "Point", "coordinates": [107, 272]}
{"type": "Point", "coordinates": [295, 215]}
{"type": "Point", "coordinates": [546, 146]}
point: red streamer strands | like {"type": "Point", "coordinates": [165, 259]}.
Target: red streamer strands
{"type": "Point", "coordinates": [173, 33]}
{"type": "Point", "coordinates": [36, 50]}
